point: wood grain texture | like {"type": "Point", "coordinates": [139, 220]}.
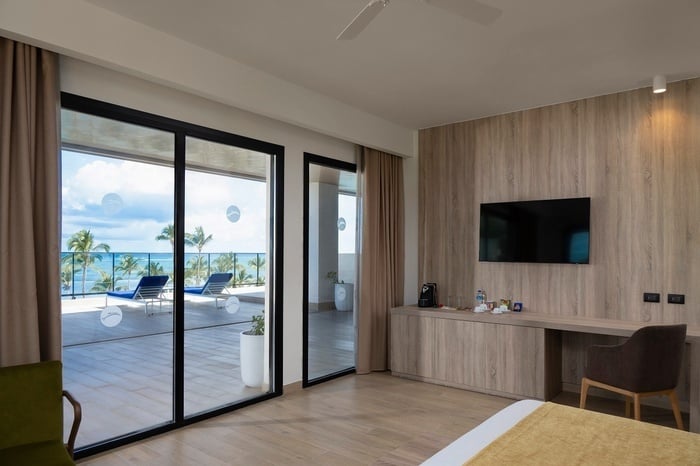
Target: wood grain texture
{"type": "Point", "coordinates": [489, 357]}
{"type": "Point", "coordinates": [430, 343]}
{"type": "Point", "coordinates": [353, 420]}
{"type": "Point", "coordinates": [635, 154]}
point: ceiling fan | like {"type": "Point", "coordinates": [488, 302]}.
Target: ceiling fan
{"type": "Point", "coordinates": [473, 10]}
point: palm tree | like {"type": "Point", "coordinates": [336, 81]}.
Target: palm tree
{"type": "Point", "coordinates": [242, 277]}
{"type": "Point", "coordinates": [105, 283]}
{"type": "Point", "coordinates": [66, 274]}
{"type": "Point", "coordinates": [258, 264]}
{"type": "Point", "coordinates": [198, 239]}
{"type": "Point", "coordinates": [128, 264]}
{"type": "Point", "coordinates": [225, 262]}
{"type": "Point", "coordinates": [168, 233]}
{"type": "Point", "coordinates": [83, 245]}
{"type": "Point", "coordinates": [194, 265]}
{"type": "Point", "coordinates": [154, 268]}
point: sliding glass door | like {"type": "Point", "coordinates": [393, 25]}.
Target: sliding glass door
{"type": "Point", "coordinates": [170, 238]}
{"type": "Point", "coordinates": [227, 220]}
{"type": "Point", "coordinates": [330, 222]}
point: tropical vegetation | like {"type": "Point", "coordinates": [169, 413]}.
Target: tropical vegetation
{"type": "Point", "coordinates": [198, 239]}
{"type": "Point", "coordinates": [129, 265]}
{"type": "Point", "coordinates": [85, 251]}
{"type": "Point", "coordinates": [83, 245]}
{"type": "Point", "coordinates": [168, 234]}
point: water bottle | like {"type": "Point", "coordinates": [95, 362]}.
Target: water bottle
{"type": "Point", "coordinates": [480, 297]}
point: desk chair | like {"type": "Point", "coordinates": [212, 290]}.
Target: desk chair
{"type": "Point", "coordinates": [647, 364]}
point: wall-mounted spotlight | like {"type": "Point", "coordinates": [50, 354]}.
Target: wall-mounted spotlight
{"type": "Point", "coordinates": [659, 84]}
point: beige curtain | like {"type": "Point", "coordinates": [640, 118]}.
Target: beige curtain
{"type": "Point", "coordinates": [30, 308]}
{"type": "Point", "coordinates": [381, 258]}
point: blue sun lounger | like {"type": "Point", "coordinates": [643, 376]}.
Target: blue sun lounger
{"type": "Point", "coordinates": [215, 287]}
{"type": "Point", "coordinates": [148, 291]}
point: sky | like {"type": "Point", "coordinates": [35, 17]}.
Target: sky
{"type": "Point", "coordinates": [146, 193]}
{"type": "Point", "coordinates": [141, 196]}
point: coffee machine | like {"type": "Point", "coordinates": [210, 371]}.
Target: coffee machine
{"type": "Point", "coordinates": [428, 295]}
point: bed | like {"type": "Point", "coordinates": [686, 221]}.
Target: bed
{"type": "Point", "coordinates": [538, 433]}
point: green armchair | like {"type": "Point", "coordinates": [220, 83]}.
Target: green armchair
{"type": "Point", "coordinates": [31, 415]}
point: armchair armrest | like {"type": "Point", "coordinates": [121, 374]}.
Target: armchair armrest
{"type": "Point", "coordinates": [77, 417]}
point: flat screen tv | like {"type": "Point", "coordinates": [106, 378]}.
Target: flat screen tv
{"type": "Point", "coordinates": [547, 231]}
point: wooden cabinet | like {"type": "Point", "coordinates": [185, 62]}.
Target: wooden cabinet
{"type": "Point", "coordinates": [487, 357]}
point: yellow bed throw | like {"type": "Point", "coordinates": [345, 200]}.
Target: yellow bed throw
{"type": "Point", "coordinates": [560, 435]}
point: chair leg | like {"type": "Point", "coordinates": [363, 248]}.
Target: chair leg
{"type": "Point", "coordinates": [628, 405]}
{"type": "Point", "coordinates": [676, 409]}
{"type": "Point", "coordinates": [584, 393]}
{"type": "Point", "coordinates": [637, 407]}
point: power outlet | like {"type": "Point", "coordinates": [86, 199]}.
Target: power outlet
{"type": "Point", "coordinates": [652, 298]}
{"type": "Point", "coordinates": [676, 298]}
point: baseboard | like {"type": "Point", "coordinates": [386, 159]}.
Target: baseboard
{"type": "Point", "coordinates": [292, 388]}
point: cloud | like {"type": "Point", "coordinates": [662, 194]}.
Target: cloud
{"type": "Point", "coordinates": [147, 193]}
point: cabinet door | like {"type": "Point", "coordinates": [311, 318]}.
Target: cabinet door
{"type": "Point", "coordinates": [495, 358]}
{"type": "Point", "coordinates": [519, 360]}
{"type": "Point", "coordinates": [412, 338]}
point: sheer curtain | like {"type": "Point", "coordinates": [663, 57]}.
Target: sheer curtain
{"type": "Point", "coordinates": [382, 256]}
{"type": "Point", "coordinates": [30, 308]}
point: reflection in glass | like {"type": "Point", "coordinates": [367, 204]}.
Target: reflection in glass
{"type": "Point", "coordinates": [331, 270]}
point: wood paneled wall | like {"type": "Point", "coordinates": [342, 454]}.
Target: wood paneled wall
{"type": "Point", "coordinates": [635, 154]}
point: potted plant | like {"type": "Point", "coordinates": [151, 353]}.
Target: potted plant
{"type": "Point", "coordinates": [253, 352]}
{"type": "Point", "coordinates": [343, 292]}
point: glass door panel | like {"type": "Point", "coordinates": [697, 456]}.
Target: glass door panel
{"type": "Point", "coordinates": [117, 183]}
{"type": "Point", "coordinates": [227, 224]}
{"type": "Point", "coordinates": [330, 240]}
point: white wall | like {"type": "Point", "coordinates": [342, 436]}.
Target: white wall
{"type": "Point", "coordinates": [152, 71]}
{"type": "Point", "coordinates": [92, 81]}
{"type": "Point", "coordinates": [79, 29]}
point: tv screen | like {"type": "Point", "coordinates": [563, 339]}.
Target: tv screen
{"type": "Point", "coordinates": [547, 231]}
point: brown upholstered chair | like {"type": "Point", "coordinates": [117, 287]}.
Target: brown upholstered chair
{"type": "Point", "coordinates": [647, 364]}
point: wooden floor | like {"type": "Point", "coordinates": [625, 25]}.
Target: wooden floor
{"type": "Point", "coordinates": [369, 419]}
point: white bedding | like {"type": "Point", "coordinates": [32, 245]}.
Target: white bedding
{"type": "Point", "coordinates": [469, 444]}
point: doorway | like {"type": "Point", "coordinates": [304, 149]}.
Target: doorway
{"type": "Point", "coordinates": [330, 268]}
{"type": "Point", "coordinates": [172, 237]}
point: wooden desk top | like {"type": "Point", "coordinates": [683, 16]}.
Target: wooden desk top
{"type": "Point", "coordinates": [621, 328]}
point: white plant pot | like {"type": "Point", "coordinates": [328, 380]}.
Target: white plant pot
{"type": "Point", "coordinates": [344, 296]}
{"type": "Point", "coordinates": [252, 359]}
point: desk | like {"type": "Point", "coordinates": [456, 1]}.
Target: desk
{"type": "Point", "coordinates": [518, 355]}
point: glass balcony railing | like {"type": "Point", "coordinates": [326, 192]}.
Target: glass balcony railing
{"type": "Point", "coordinates": [93, 273]}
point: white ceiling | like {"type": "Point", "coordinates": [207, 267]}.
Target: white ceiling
{"type": "Point", "coordinates": [419, 66]}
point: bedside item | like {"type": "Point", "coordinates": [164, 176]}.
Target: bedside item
{"type": "Point", "coordinates": [428, 295]}
{"type": "Point", "coordinates": [517, 306]}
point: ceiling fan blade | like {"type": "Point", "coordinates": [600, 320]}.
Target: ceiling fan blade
{"type": "Point", "coordinates": [473, 10]}
{"type": "Point", "coordinates": [363, 18]}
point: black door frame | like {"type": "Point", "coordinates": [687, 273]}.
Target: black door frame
{"type": "Point", "coordinates": [340, 165]}
{"type": "Point", "coordinates": [181, 130]}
